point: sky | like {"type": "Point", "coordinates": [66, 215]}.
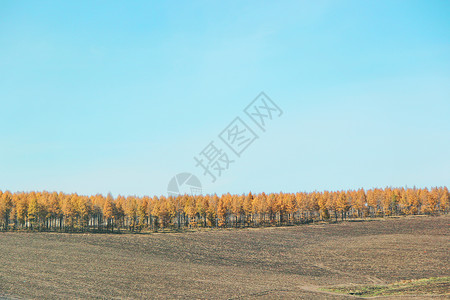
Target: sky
{"type": "Point", "coordinates": [120, 96]}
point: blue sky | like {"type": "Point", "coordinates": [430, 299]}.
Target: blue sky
{"type": "Point", "coordinates": [119, 96]}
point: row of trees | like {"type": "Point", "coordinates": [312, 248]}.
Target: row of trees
{"type": "Point", "coordinates": [72, 212]}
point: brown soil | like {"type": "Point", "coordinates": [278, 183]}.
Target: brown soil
{"type": "Point", "coordinates": [288, 262]}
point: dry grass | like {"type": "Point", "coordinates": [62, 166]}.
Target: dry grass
{"type": "Point", "coordinates": [425, 286]}
{"type": "Point", "coordinates": [288, 262]}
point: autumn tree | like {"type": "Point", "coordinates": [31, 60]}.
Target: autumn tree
{"type": "Point", "coordinates": [247, 207]}
{"type": "Point", "coordinates": [73, 212]}
{"type": "Point", "coordinates": [33, 211]}
{"type": "Point", "coordinates": [290, 206]}
{"type": "Point", "coordinates": [202, 209]}
{"type": "Point", "coordinates": [222, 212]}
{"type": "Point", "coordinates": [6, 205]}
{"type": "Point", "coordinates": [213, 203]}
{"type": "Point", "coordinates": [444, 200]}
{"type": "Point", "coordinates": [109, 211]}
{"type": "Point", "coordinates": [142, 212]}
{"type": "Point", "coordinates": [323, 205]}
{"type": "Point", "coordinates": [342, 204]}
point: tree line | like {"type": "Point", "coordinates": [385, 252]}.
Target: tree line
{"type": "Point", "coordinates": [45, 211]}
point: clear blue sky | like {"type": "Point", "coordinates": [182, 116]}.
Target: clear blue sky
{"type": "Point", "coordinates": [119, 96]}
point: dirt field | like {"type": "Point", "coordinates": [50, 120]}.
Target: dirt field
{"type": "Point", "coordinates": [289, 262]}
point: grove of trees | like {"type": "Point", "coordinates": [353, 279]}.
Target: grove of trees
{"type": "Point", "coordinates": [45, 211]}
